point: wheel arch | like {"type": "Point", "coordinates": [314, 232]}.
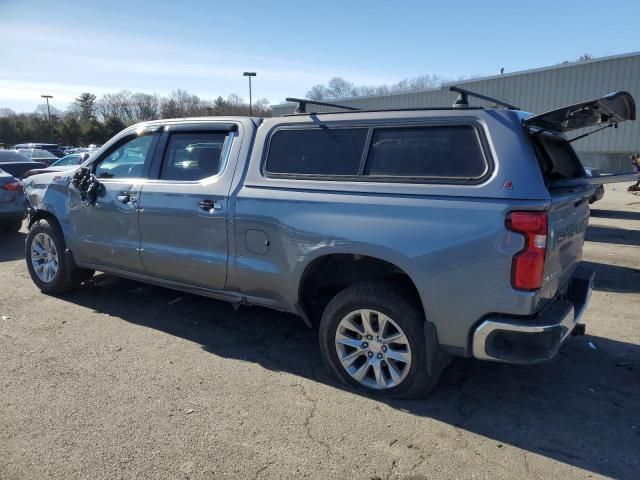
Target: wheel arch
{"type": "Point", "coordinates": [39, 214]}
{"type": "Point", "coordinates": [36, 214]}
{"type": "Point", "coordinates": [326, 274]}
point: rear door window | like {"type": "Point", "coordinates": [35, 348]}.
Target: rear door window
{"type": "Point", "coordinates": [452, 151]}
{"type": "Point", "coordinates": [193, 156]}
{"type": "Point", "coordinates": [316, 151]}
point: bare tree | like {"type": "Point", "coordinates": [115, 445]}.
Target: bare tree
{"type": "Point", "coordinates": [117, 105]}
{"type": "Point", "coordinates": [145, 107]}
{"type": "Point", "coordinates": [318, 92]}
{"type": "Point", "coordinates": [181, 103]}
{"type": "Point", "coordinates": [42, 112]}
{"type": "Point", "coordinates": [584, 57]}
{"type": "Point", "coordinates": [90, 120]}
{"type": "Point", "coordinates": [340, 88]}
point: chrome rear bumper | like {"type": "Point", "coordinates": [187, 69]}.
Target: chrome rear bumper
{"type": "Point", "coordinates": [536, 339]}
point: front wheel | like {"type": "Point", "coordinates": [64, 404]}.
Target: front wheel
{"type": "Point", "coordinates": [372, 337]}
{"type": "Point", "coordinates": [50, 269]}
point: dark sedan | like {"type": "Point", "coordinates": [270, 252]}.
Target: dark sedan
{"type": "Point", "coordinates": [50, 147]}
{"type": "Point", "coordinates": [38, 155]}
{"type": "Point", "coordinates": [15, 163]}
{"type": "Point", "coordinates": [12, 203]}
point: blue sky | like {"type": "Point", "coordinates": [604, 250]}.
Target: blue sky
{"type": "Point", "coordinates": [67, 47]}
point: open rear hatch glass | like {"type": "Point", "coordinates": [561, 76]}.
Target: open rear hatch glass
{"type": "Point", "coordinates": [603, 112]}
{"type": "Point", "coordinates": [610, 109]}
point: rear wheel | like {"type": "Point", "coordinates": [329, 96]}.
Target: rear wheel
{"type": "Point", "coordinates": [372, 337]}
{"type": "Point", "coordinates": [11, 226]}
{"type": "Point", "coordinates": [49, 267]}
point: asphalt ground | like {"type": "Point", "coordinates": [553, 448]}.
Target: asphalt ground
{"type": "Point", "coordinates": [122, 380]}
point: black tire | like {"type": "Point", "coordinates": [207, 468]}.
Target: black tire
{"type": "Point", "coordinates": [67, 276]}
{"type": "Point", "coordinates": [391, 301]}
{"type": "Point", "coordinates": [11, 226]}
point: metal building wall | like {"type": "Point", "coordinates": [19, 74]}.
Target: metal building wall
{"type": "Point", "coordinates": [537, 90]}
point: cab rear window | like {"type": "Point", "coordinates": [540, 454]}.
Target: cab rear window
{"type": "Point", "coordinates": [426, 152]}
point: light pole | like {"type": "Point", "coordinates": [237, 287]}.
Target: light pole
{"type": "Point", "coordinates": [47, 97]}
{"type": "Point", "coordinates": [250, 74]}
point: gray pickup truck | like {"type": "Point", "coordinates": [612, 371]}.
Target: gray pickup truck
{"type": "Point", "coordinates": [409, 236]}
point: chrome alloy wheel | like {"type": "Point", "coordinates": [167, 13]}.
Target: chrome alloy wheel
{"type": "Point", "coordinates": [44, 257]}
{"type": "Point", "coordinates": [373, 349]}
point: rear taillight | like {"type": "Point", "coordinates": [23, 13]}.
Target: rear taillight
{"type": "Point", "coordinates": [528, 264]}
{"type": "Point", "coordinates": [14, 186]}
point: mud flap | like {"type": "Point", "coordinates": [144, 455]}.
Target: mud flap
{"type": "Point", "coordinates": [70, 266]}
{"type": "Point", "coordinates": [437, 360]}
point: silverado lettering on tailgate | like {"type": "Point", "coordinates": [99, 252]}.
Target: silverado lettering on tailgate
{"type": "Point", "coordinates": [560, 235]}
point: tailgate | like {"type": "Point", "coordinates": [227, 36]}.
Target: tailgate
{"type": "Point", "coordinates": [568, 221]}
{"type": "Point", "coordinates": [568, 215]}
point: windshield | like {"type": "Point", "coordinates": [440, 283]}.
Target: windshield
{"type": "Point", "coordinates": [73, 159]}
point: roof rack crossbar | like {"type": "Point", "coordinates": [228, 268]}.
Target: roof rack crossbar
{"type": "Point", "coordinates": [302, 104]}
{"type": "Point", "coordinates": [463, 92]}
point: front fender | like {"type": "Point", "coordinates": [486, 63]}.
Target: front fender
{"type": "Point", "coordinates": [48, 195]}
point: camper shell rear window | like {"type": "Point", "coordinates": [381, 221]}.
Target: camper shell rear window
{"type": "Point", "coordinates": [557, 159]}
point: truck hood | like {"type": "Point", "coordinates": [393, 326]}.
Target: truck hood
{"type": "Point", "coordinates": [48, 176]}
{"type": "Point", "coordinates": [611, 109]}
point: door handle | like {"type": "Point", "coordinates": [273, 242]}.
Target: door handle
{"type": "Point", "coordinates": [209, 205]}
{"type": "Point", "coordinates": [125, 197]}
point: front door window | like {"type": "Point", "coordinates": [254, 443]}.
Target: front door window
{"type": "Point", "coordinates": [127, 159]}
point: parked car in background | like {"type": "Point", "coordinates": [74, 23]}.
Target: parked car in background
{"type": "Point", "coordinates": [71, 150]}
{"type": "Point", "coordinates": [599, 193]}
{"type": "Point", "coordinates": [38, 155]}
{"type": "Point", "coordinates": [61, 165]}
{"type": "Point", "coordinates": [50, 147]}
{"type": "Point", "coordinates": [17, 164]}
{"type": "Point", "coordinates": [13, 205]}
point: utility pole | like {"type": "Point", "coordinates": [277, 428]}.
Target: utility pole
{"type": "Point", "coordinates": [47, 97]}
{"type": "Point", "coordinates": [250, 74]}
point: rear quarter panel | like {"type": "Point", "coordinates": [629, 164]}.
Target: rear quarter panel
{"type": "Point", "coordinates": [456, 251]}
{"type": "Point", "coordinates": [450, 239]}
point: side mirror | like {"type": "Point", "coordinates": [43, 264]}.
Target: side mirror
{"type": "Point", "coordinates": [88, 185]}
